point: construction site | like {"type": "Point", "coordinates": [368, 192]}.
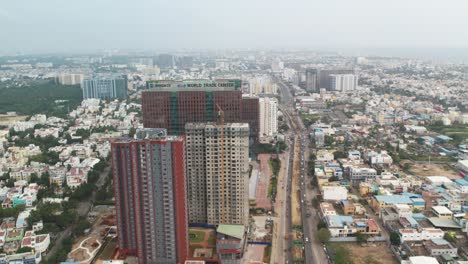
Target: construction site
{"type": "Point", "coordinates": [90, 247]}
{"type": "Point", "coordinates": [296, 217]}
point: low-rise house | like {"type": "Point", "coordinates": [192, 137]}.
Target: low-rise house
{"type": "Point", "coordinates": [354, 155]}
{"type": "Point", "coordinates": [327, 209]}
{"type": "Point", "coordinates": [340, 225]}
{"type": "Point", "coordinates": [230, 243]}
{"type": "Point", "coordinates": [40, 243]}
{"type": "Point", "coordinates": [357, 175]}
{"type": "Point", "coordinates": [335, 193]}
{"type": "Point", "coordinates": [76, 177]}
{"type": "Point", "coordinates": [420, 235]}
{"type": "Point", "coordinates": [442, 212]}
{"type": "Point", "coordinates": [37, 226]}
{"type": "Point", "coordinates": [324, 155]}
{"type": "Point", "coordinates": [462, 185]}
{"type": "Point", "coordinates": [14, 234]}
{"type": "Point", "coordinates": [352, 208]}
{"type": "Point", "coordinates": [21, 219]}
{"type": "Point", "coordinates": [21, 258]}
{"type": "Point", "coordinates": [4, 192]}
{"type": "Point", "coordinates": [440, 246]}
{"type": "Point", "coordinates": [381, 158]}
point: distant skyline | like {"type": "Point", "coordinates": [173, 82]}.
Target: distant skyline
{"type": "Point", "coordinates": [58, 26]}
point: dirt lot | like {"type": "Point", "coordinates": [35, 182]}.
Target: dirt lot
{"type": "Point", "coordinates": [424, 170]}
{"type": "Point", "coordinates": [296, 181]}
{"type": "Point", "coordinates": [5, 120]}
{"type": "Point", "coordinates": [379, 253]}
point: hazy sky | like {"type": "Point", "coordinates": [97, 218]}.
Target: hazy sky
{"type": "Point", "coordinates": [90, 25]}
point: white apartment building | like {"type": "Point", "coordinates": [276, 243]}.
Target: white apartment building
{"type": "Point", "coordinates": [327, 209]}
{"type": "Point", "coordinates": [217, 172]}
{"type": "Point", "coordinates": [424, 234]}
{"type": "Point", "coordinates": [343, 82]}
{"type": "Point", "coordinates": [268, 109]}
{"type": "Point", "coordinates": [70, 78]}
{"type": "Point", "coordinates": [335, 193]}
{"type": "Point", "coordinates": [262, 85]}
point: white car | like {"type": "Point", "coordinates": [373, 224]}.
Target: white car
{"type": "Point", "coordinates": [307, 240]}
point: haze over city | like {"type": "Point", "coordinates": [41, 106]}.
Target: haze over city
{"type": "Point", "coordinates": [50, 26]}
{"type": "Point", "coordinates": [233, 132]}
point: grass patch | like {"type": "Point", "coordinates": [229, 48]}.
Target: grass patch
{"type": "Point", "coordinates": [341, 255]}
{"type": "Point", "coordinates": [272, 186]}
{"type": "Point", "coordinates": [212, 239]}
{"type": "Point", "coordinates": [308, 119]}
{"type": "Point", "coordinates": [275, 165]}
{"type": "Point", "coordinates": [267, 254]}
{"type": "Point", "coordinates": [196, 236]}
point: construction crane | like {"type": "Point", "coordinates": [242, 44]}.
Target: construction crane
{"type": "Point", "coordinates": [222, 170]}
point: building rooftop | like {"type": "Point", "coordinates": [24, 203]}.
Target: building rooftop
{"type": "Point", "coordinates": [443, 223]}
{"type": "Point", "coordinates": [193, 85]}
{"type": "Point", "coordinates": [339, 220]}
{"type": "Point", "coordinates": [440, 241]}
{"type": "Point", "coordinates": [461, 182]}
{"type": "Point", "coordinates": [423, 260]}
{"type": "Point", "coordinates": [441, 209]}
{"type": "Point", "coordinates": [236, 231]}
{"type": "Point", "coordinates": [393, 199]}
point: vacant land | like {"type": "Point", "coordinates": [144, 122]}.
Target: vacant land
{"type": "Point", "coordinates": [6, 120]}
{"type": "Point", "coordinates": [424, 170]}
{"type": "Point", "coordinates": [370, 254]}
{"type": "Point", "coordinates": [296, 181]}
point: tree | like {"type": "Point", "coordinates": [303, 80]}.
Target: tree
{"type": "Point", "coordinates": [339, 155]}
{"type": "Point", "coordinates": [321, 225]}
{"type": "Point", "coordinates": [33, 178]}
{"type": "Point", "coordinates": [81, 226]}
{"type": "Point", "coordinates": [284, 127]}
{"type": "Point", "coordinates": [333, 178]}
{"type": "Point", "coordinates": [360, 237]}
{"type": "Point", "coordinates": [395, 238]}
{"type": "Point", "coordinates": [132, 132]}
{"type": "Point", "coordinates": [24, 250]}
{"type": "Point", "coordinates": [315, 203]}
{"type": "Point", "coordinates": [323, 235]}
{"type": "Point", "coordinates": [406, 166]}
{"type": "Point", "coordinates": [449, 237]}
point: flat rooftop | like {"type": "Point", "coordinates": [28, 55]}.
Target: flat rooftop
{"type": "Point", "coordinates": [193, 85]}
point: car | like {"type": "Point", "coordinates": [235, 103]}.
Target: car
{"type": "Point", "coordinates": [307, 240]}
{"type": "Point", "coordinates": [307, 215]}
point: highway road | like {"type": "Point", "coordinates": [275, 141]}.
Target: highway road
{"type": "Point", "coordinates": [314, 252]}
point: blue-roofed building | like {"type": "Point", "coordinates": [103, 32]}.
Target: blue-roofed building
{"type": "Point", "coordinates": [462, 185]}
{"type": "Point", "coordinates": [428, 140]}
{"type": "Point", "coordinates": [439, 247]}
{"type": "Point", "coordinates": [411, 195]}
{"type": "Point", "coordinates": [418, 203]}
{"type": "Point", "coordinates": [338, 220]}
{"type": "Point", "coordinates": [443, 139]}
{"type": "Point", "coordinates": [412, 221]}
{"type": "Point", "coordinates": [418, 216]}
{"type": "Point", "coordinates": [382, 201]}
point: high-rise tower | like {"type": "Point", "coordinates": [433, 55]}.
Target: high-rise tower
{"type": "Point", "coordinates": [150, 196]}
{"type": "Point", "coordinates": [217, 172]}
